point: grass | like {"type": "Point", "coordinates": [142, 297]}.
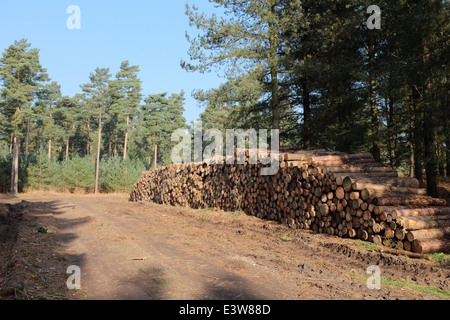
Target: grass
{"type": "Point", "coordinates": [367, 245]}
{"type": "Point", "coordinates": [441, 258]}
{"type": "Point", "coordinates": [203, 217]}
{"type": "Point", "coordinates": [404, 284]}
{"type": "Point", "coordinates": [287, 237]}
{"type": "Point", "coordinates": [429, 290]}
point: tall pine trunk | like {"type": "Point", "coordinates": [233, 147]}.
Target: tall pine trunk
{"type": "Point", "coordinates": [275, 102]}
{"type": "Point", "coordinates": [15, 166]}
{"type": "Point", "coordinates": [391, 135]}
{"type": "Point", "coordinates": [447, 133]}
{"type": "Point", "coordinates": [50, 142]}
{"type": "Point", "coordinates": [109, 146]}
{"type": "Point", "coordinates": [415, 136]}
{"type": "Point", "coordinates": [430, 157]}
{"type": "Point", "coordinates": [126, 137]}
{"type": "Point", "coordinates": [98, 148]}
{"type": "Point", "coordinates": [50, 147]}
{"type": "Point", "coordinates": [374, 124]}
{"type": "Point", "coordinates": [67, 149]}
{"type": "Point", "coordinates": [38, 141]}
{"type": "Point", "coordinates": [156, 156]}
{"type": "Point", "coordinates": [27, 140]}
{"type": "Point", "coordinates": [88, 144]}
{"type": "Point", "coordinates": [429, 129]}
{"type": "Point", "coordinates": [306, 101]}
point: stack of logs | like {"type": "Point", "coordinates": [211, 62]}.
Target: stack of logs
{"type": "Point", "coordinates": [346, 195]}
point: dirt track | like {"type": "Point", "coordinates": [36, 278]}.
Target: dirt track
{"type": "Point", "coordinates": [147, 251]}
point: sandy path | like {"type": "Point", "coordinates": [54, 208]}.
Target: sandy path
{"type": "Point", "coordinates": [147, 251]}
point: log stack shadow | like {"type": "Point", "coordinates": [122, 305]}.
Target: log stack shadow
{"type": "Point", "coordinates": [345, 195]}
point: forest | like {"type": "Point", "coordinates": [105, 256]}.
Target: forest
{"type": "Point", "coordinates": [313, 69]}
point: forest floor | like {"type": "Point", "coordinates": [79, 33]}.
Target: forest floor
{"type": "Point", "coordinates": [146, 251]}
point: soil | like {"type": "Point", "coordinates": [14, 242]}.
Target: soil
{"type": "Point", "coordinates": [145, 251]}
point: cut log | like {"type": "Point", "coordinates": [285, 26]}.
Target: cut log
{"type": "Point", "coordinates": [340, 193]}
{"type": "Point", "coordinates": [431, 246]}
{"type": "Point", "coordinates": [409, 200]}
{"type": "Point", "coordinates": [389, 233]}
{"type": "Point", "coordinates": [400, 234]}
{"type": "Point", "coordinates": [427, 234]}
{"type": "Point", "coordinates": [419, 212]}
{"type": "Point", "coordinates": [377, 239]}
{"type": "Point", "coordinates": [413, 223]}
{"type": "Point", "coordinates": [405, 253]}
{"type": "Point", "coordinates": [365, 194]}
{"type": "Point", "coordinates": [382, 189]}
{"type": "Point", "coordinates": [407, 245]}
{"type": "Point", "coordinates": [389, 181]}
{"type": "Point", "coordinates": [361, 169]}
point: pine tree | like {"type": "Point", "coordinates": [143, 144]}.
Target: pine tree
{"type": "Point", "coordinates": [161, 116]}
{"type": "Point", "coordinates": [173, 120]}
{"type": "Point", "coordinates": [48, 98]}
{"type": "Point", "coordinates": [152, 118]}
{"type": "Point", "coordinates": [21, 74]}
{"type": "Point", "coordinates": [126, 97]}
{"type": "Point", "coordinates": [97, 94]}
{"type": "Point", "coordinates": [247, 44]}
{"type": "Point", "coordinates": [65, 118]}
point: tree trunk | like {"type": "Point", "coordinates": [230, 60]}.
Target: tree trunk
{"type": "Point", "coordinates": [447, 133]}
{"type": "Point", "coordinates": [306, 101]}
{"type": "Point", "coordinates": [109, 146]}
{"type": "Point", "coordinates": [390, 124]}
{"type": "Point", "coordinates": [416, 134]}
{"type": "Point", "coordinates": [275, 103]}
{"type": "Point", "coordinates": [374, 125]}
{"type": "Point", "coordinates": [412, 163]}
{"type": "Point", "coordinates": [50, 147]}
{"type": "Point", "coordinates": [88, 145]}
{"type": "Point", "coordinates": [67, 149]}
{"type": "Point", "coordinates": [115, 146]}
{"type": "Point", "coordinates": [50, 142]}
{"type": "Point", "coordinates": [430, 158]}
{"type": "Point", "coordinates": [98, 148]}
{"type": "Point", "coordinates": [15, 167]}
{"type": "Point", "coordinates": [126, 139]}
{"type": "Point", "coordinates": [429, 133]}
{"type": "Point", "coordinates": [27, 139]}
{"type": "Point", "coordinates": [156, 156]}
{"type": "Point", "coordinates": [37, 147]}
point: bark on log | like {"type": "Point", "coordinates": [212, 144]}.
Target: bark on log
{"type": "Point", "coordinates": [431, 246]}
{"type": "Point", "coordinates": [427, 234]}
{"type": "Point", "coordinates": [403, 253]}
{"type": "Point", "coordinates": [409, 200]}
{"type": "Point", "coordinates": [419, 212]}
{"type": "Point", "coordinates": [382, 189]}
{"type": "Point", "coordinates": [413, 223]}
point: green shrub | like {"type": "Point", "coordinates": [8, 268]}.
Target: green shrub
{"type": "Point", "coordinates": [78, 174]}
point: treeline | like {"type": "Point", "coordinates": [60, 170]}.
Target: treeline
{"type": "Point", "coordinates": [75, 175]}
{"type": "Point", "coordinates": [101, 139]}
{"type": "Point", "coordinates": [316, 71]}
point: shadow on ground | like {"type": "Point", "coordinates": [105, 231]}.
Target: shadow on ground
{"type": "Point", "coordinates": [32, 262]}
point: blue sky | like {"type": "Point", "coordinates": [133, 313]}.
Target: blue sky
{"type": "Point", "coordinates": [148, 33]}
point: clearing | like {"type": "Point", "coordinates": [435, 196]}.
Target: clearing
{"type": "Point", "coordinates": [146, 251]}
